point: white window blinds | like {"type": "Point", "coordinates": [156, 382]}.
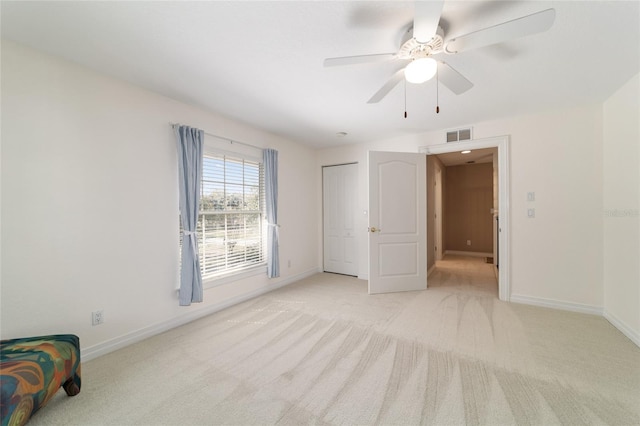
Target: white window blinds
{"type": "Point", "coordinates": [231, 220]}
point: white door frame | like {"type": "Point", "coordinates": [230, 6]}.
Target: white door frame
{"type": "Point", "coordinates": [502, 143]}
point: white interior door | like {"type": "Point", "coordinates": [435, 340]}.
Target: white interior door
{"type": "Point", "coordinates": [340, 193]}
{"type": "Point", "coordinates": [397, 222]}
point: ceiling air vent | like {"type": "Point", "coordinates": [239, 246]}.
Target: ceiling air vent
{"type": "Point", "coordinates": [459, 135]}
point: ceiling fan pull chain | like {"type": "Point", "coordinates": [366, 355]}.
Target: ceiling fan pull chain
{"type": "Point", "coordinates": [405, 98]}
{"type": "Point", "coordinates": [437, 92]}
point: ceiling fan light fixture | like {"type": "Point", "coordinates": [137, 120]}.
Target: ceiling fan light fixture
{"type": "Point", "coordinates": [420, 70]}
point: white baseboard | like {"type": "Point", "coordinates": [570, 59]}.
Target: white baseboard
{"type": "Point", "coordinates": [146, 332]}
{"type": "Point", "coordinates": [557, 304]}
{"type": "Point", "coordinates": [632, 334]}
{"type": "Point", "coordinates": [468, 253]}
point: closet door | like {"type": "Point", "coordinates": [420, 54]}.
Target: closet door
{"type": "Point", "coordinates": [339, 188]}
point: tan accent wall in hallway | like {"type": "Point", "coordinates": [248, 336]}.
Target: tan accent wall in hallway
{"type": "Point", "coordinates": [468, 203]}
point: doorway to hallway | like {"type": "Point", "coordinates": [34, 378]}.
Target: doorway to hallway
{"type": "Point", "coordinates": [466, 197]}
{"type": "Point", "coordinates": [496, 155]}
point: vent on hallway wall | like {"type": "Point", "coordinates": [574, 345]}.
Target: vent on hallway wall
{"type": "Point", "coordinates": [459, 135]}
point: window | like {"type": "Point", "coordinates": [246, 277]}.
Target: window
{"type": "Point", "coordinates": [231, 220]}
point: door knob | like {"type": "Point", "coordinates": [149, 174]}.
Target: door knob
{"type": "Point", "coordinates": [374, 229]}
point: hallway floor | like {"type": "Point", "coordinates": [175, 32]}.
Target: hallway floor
{"type": "Point", "coordinates": [464, 274]}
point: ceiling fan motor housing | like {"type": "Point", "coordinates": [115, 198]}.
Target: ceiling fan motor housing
{"type": "Point", "coordinates": [413, 49]}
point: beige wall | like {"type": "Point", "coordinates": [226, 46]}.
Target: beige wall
{"type": "Point", "coordinates": [90, 204]}
{"type": "Point", "coordinates": [468, 201]}
{"type": "Point", "coordinates": [556, 257]}
{"type": "Point", "coordinates": [621, 173]}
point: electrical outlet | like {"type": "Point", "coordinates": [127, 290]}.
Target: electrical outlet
{"type": "Point", "coordinates": [468, 242]}
{"type": "Point", "coordinates": [289, 263]}
{"type": "Point", "coordinates": [97, 317]}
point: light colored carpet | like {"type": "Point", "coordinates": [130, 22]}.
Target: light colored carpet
{"type": "Point", "coordinates": [322, 351]}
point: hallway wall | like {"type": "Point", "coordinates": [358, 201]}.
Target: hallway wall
{"type": "Point", "coordinates": [468, 203]}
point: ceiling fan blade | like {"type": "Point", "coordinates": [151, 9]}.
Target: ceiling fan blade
{"type": "Point", "coordinates": [527, 25]}
{"type": "Point", "coordinates": [426, 19]}
{"type": "Point", "coordinates": [390, 84]}
{"type": "Point", "coordinates": [361, 59]}
{"type": "Point", "coordinates": [452, 79]}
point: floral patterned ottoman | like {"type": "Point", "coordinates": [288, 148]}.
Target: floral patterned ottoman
{"type": "Point", "coordinates": [32, 370]}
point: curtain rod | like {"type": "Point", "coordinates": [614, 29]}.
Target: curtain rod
{"type": "Point", "coordinates": [232, 141]}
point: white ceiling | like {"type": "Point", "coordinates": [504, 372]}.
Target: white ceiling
{"type": "Point", "coordinates": [262, 62]}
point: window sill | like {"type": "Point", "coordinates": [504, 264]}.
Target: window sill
{"type": "Point", "coordinates": [234, 276]}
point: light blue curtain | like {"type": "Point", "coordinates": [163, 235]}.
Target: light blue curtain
{"type": "Point", "coordinates": [270, 160]}
{"type": "Point", "coordinates": [190, 145]}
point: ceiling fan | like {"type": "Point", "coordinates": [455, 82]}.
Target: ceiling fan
{"type": "Point", "coordinates": [427, 39]}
